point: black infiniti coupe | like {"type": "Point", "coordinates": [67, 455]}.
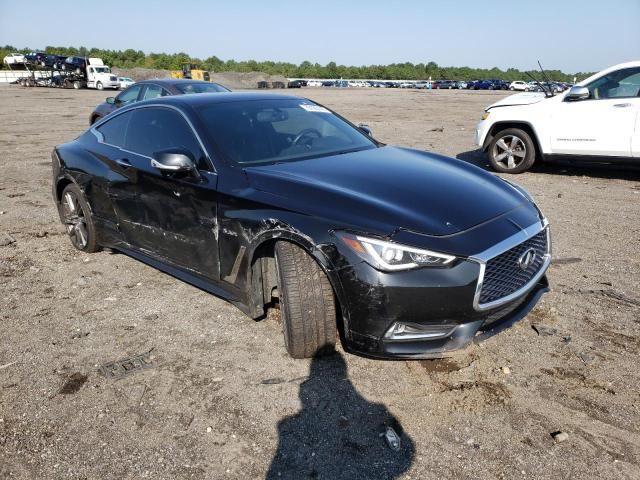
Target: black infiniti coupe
{"type": "Point", "coordinates": [266, 199]}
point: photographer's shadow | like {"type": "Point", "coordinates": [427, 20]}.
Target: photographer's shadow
{"type": "Point", "coordinates": [338, 433]}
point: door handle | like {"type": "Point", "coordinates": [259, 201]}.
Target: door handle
{"type": "Point", "coordinates": [123, 162]}
{"type": "Point", "coordinates": [622, 105]}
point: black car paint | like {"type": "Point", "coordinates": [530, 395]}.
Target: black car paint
{"type": "Point", "coordinates": [214, 231]}
{"type": "Point", "coordinates": [75, 63]}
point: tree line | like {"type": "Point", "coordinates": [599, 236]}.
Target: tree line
{"type": "Point", "coordinates": [395, 71]}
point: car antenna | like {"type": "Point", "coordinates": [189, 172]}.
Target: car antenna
{"type": "Point", "coordinates": [544, 74]}
{"type": "Point", "coordinates": [546, 93]}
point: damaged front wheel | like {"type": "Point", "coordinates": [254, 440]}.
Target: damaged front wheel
{"type": "Point", "coordinates": [77, 219]}
{"type": "Point", "coordinates": [307, 303]}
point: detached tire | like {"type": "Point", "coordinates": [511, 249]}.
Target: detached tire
{"type": "Point", "coordinates": [77, 219]}
{"type": "Point", "coordinates": [307, 303]}
{"type": "Point", "coordinates": [512, 151]}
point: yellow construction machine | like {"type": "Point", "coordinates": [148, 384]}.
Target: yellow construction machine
{"type": "Point", "coordinates": [192, 72]}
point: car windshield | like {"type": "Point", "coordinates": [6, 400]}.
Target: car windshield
{"type": "Point", "coordinates": [279, 130]}
{"type": "Point", "coordinates": [197, 87]}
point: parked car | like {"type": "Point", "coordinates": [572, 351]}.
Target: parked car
{"type": "Point", "coordinates": [267, 199]}
{"type": "Point", "coordinates": [328, 83]}
{"type": "Point", "coordinates": [519, 85]}
{"type": "Point", "coordinates": [594, 120]}
{"type": "Point", "coordinates": [446, 84]}
{"type": "Point", "coordinates": [14, 59]}
{"type": "Point", "coordinates": [461, 85]}
{"type": "Point", "coordinates": [149, 89]}
{"type": "Point", "coordinates": [295, 84]}
{"type": "Point", "coordinates": [500, 84]}
{"type": "Point", "coordinates": [314, 83]}
{"type": "Point", "coordinates": [124, 82]}
{"type": "Point", "coordinates": [483, 85]}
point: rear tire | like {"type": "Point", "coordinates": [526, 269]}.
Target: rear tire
{"type": "Point", "coordinates": [77, 219]}
{"type": "Point", "coordinates": [307, 303]}
{"type": "Point", "coordinates": [512, 151]}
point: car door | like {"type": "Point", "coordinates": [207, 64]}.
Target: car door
{"type": "Point", "coordinates": [602, 124]}
{"type": "Point", "coordinates": [175, 216]}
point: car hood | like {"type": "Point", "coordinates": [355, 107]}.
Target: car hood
{"type": "Point", "coordinates": [385, 189]}
{"type": "Point", "coordinates": [525, 98]}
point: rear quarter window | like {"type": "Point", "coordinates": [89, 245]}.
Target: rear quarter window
{"type": "Point", "coordinates": [114, 130]}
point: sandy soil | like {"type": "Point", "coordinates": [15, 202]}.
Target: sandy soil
{"type": "Point", "coordinates": [222, 399]}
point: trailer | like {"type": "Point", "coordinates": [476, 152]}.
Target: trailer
{"type": "Point", "coordinates": [92, 74]}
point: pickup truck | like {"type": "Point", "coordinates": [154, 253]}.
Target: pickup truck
{"type": "Point", "coordinates": [597, 119]}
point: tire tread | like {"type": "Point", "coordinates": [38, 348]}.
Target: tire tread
{"type": "Point", "coordinates": [307, 302]}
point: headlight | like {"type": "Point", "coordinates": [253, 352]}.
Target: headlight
{"type": "Point", "coordinates": [389, 256]}
{"type": "Point", "coordinates": [485, 115]}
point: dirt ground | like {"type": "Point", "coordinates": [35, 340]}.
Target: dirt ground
{"type": "Point", "coordinates": [220, 398]}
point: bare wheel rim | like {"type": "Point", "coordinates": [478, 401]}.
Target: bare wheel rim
{"type": "Point", "coordinates": [74, 220]}
{"type": "Point", "coordinates": [509, 152]}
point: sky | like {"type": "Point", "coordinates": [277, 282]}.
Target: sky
{"type": "Point", "coordinates": [573, 36]}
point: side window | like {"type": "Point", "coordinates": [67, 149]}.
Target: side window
{"type": "Point", "coordinates": [619, 84]}
{"type": "Point", "coordinates": [113, 131]}
{"type": "Point", "coordinates": [155, 129]}
{"type": "Point", "coordinates": [129, 95]}
{"type": "Point", "coordinates": [152, 91]}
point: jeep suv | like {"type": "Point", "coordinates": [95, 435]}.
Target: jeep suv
{"type": "Point", "coordinates": [597, 119]}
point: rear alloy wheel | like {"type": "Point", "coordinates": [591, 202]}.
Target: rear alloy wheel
{"type": "Point", "coordinates": [77, 219]}
{"type": "Point", "coordinates": [512, 151]}
{"type": "Point", "coordinates": [307, 303]}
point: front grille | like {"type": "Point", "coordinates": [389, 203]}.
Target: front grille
{"type": "Point", "coordinates": [503, 274]}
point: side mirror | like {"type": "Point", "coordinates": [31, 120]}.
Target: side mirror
{"type": "Point", "coordinates": [364, 128]}
{"type": "Point", "coordinates": [174, 161]}
{"type": "Point", "coordinates": [111, 100]}
{"type": "Point", "coordinates": [577, 93]}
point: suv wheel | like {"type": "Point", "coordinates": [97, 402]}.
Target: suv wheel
{"type": "Point", "coordinates": [307, 303]}
{"type": "Point", "coordinates": [78, 220]}
{"type": "Point", "coordinates": [512, 151]}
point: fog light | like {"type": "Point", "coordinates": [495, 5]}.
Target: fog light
{"type": "Point", "coordinates": [415, 331]}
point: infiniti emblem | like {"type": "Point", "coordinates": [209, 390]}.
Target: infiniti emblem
{"type": "Point", "coordinates": [527, 258]}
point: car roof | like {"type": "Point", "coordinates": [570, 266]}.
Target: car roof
{"type": "Point", "coordinates": [201, 99]}
{"type": "Point", "coordinates": [172, 81]}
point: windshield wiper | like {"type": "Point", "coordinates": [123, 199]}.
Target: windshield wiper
{"type": "Point", "coordinates": [549, 82]}
{"type": "Point", "coordinates": [546, 92]}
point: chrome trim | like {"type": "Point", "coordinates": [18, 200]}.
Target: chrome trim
{"type": "Point", "coordinates": [483, 257]}
{"type": "Point", "coordinates": [131, 108]}
{"type": "Point", "coordinates": [510, 242]}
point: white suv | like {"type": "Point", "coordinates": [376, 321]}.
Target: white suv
{"type": "Point", "coordinates": [519, 85]}
{"type": "Point", "coordinates": [598, 118]}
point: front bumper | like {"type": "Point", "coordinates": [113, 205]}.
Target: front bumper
{"type": "Point", "coordinates": [482, 129]}
{"type": "Point", "coordinates": [459, 337]}
{"type": "Point", "coordinates": [432, 312]}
